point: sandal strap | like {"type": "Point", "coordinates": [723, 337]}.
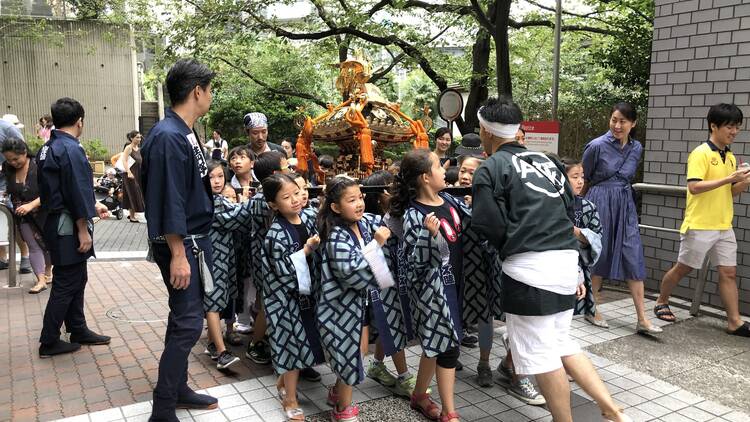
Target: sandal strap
{"type": "Point", "coordinates": [417, 397]}
{"type": "Point", "coordinates": [450, 415]}
{"type": "Point", "coordinates": [295, 414]}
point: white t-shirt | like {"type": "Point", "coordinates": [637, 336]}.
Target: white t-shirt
{"type": "Point", "coordinates": [220, 144]}
{"type": "Point", "coordinates": [555, 271]}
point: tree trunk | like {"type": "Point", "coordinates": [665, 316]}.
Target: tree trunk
{"type": "Point", "coordinates": [502, 52]}
{"type": "Point", "coordinates": [478, 92]}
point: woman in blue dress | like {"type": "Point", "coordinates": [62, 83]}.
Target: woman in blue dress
{"type": "Point", "coordinates": [610, 163]}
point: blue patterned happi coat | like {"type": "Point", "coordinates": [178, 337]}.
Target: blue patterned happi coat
{"type": "Point", "coordinates": [347, 284]}
{"type": "Point", "coordinates": [482, 268]}
{"type": "Point", "coordinates": [391, 319]}
{"type": "Point", "coordinates": [586, 218]}
{"type": "Point", "coordinates": [437, 309]}
{"type": "Point", "coordinates": [261, 221]}
{"type": "Point", "coordinates": [229, 219]}
{"type": "Point", "coordinates": [293, 333]}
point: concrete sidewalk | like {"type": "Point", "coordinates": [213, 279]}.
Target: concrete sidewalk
{"type": "Point", "coordinates": [694, 373]}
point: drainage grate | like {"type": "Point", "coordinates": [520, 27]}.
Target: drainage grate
{"type": "Point", "coordinates": [144, 312]}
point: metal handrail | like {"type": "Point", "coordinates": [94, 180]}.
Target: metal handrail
{"type": "Point", "coordinates": [11, 245]}
{"type": "Point", "coordinates": [656, 188]}
{"type": "Point", "coordinates": [703, 271]}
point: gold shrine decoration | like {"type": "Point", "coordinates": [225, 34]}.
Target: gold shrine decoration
{"type": "Point", "coordinates": [364, 123]}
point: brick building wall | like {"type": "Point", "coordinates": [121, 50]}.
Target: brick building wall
{"type": "Point", "coordinates": [700, 57]}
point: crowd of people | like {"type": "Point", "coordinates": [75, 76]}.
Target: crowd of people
{"type": "Point", "coordinates": [243, 247]}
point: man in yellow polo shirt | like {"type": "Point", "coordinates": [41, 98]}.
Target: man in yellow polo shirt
{"type": "Point", "coordinates": [713, 180]}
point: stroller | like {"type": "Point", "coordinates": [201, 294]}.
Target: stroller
{"type": "Point", "coordinates": [110, 186]}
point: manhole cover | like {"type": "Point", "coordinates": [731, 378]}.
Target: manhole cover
{"type": "Point", "coordinates": [145, 312]}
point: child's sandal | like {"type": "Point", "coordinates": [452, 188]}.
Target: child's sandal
{"type": "Point", "coordinates": [294, 414]}
{"type": "Point", "coordinates": [449, 417]}
{"type": "Point", "coordinates": [431, 411]}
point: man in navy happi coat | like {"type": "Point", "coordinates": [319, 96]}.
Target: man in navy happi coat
{"type": "Point", "coordinates": [179, 210]}
{"type": "Point", "coordinates": [66, 192]}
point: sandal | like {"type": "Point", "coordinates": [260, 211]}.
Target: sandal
{"type": "Point", "coordinates": [33, 291]}
{"type": "Point", "coordinates": [281, 393]}
{"type": "Point", "coordinates": [294, 414]}
{"type": "Point", "coordinates": [431, 411]}
{"type": "Point", "coordinates": [664, 313]}
{"type": "Point", "coordinates": [743, 331]}
{"type": "Point", "coordinates": [450, 416]}
{"type": "Point", "coordinates": [596, 322]}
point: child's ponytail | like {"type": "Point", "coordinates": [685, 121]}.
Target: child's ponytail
{"type": "Point", "coordinates": [406, 184]}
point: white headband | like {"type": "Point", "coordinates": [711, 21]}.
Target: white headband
{"type": "Point", "coordinates": [500, 130]}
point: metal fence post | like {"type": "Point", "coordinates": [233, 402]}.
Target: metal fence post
{"type": "Point", "coordinates": [11, 245]}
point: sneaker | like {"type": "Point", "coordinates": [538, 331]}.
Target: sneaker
{"type": "Point", "coordinates": [469, 340]}
{"type": "Point", "coordinates": [24, 270]}
{"type": "Point", "coordinates": [225, 359]}
{"type": "Point", "coordinates": [525, 391]}
{"type": "Point", "coordinates": [459, 366]}
{"type": "Point", "coordinates": [309, 374]}
{"type": "Point", "coordinates": [484, 375]}
{"type": "Point", "coordinates": [405, 386]}
{"type": "Point", "coordinates": [377, 371]}
{"type": "Point", "coordinates": [350, 414]}
{"type": "Point", "coordinates": [233, 339]}
{"type": "Point", "coordinates": [258, 353]}
{"type": "Point", "coordinates": [505, 374]}
{"type": "Point", "coordinates": [211, 351]}
{"type": "Point", "coordinates": [243, 328]}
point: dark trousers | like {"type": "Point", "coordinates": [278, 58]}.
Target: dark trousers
{"type": "Point", "coordinates": [65, 302]}
{"type": "Point", "coordinates": [184, 328]}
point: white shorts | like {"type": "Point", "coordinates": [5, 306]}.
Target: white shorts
{"type": "Point", "coordinates": [719, 245]}
{"type": "Point", "coordinates": [538, 342]}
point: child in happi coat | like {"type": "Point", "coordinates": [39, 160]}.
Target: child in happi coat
{"type": "Point", "coordinates": [588, 231]}
{"type": "Point", "coordinates": [393, 336]}
{"type": "Point", "coordinates": [258, 350]}
{"type": "Point", "coordinates": [433, 227]}
{"type": "Point", "coordinates": [241, 161]}
{"type": "Point", "coordinates": [481, 302]}
{"type": "Point", "coordinates": [289, 249]}
{"type": "Point", "coordinates": [228, 219]}
{"type": "Point", "coordinates": [353, 267]}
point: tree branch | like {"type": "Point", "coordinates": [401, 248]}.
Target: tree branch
{"type": "Point", "coordinates": [564, 28]}
{"type": "Point", "coordinates": [384, 71]}
{"type": "Point", "coordinates": [323, 14]}
{"type": "Point", "coordinates": [482, 17]}
{"type": "Point", "coordinates": [378, 6]}
{"type": "Point", "coordinates": [578, 15]}
{"type": "Point", "coordinates": [458, 9]}
{"type": "Point", "coordinates": [277, 91]}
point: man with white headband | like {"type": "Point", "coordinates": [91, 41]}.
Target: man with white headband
{"type": "Point", "coordinates": [256, 128]}
{"type": "Point", "coordinates": [520, 203]}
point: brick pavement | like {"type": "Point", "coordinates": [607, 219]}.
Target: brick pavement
{"type": "Point", "coordinates": [95, 378]}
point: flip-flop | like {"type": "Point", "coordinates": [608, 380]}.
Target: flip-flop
{"type": "Point", "coordinates": [664, 313]}
{"type": "Point", "coordinates": [743, 331]}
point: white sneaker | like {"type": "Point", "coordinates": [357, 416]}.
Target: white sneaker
{"type": "Point", "coordinates": [243, 328]}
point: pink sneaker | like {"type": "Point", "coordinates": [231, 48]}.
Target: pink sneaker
{"type": "Point", "coordinates": [333, 397]}
{"type": "Point", "coordinates": [350, 414]}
